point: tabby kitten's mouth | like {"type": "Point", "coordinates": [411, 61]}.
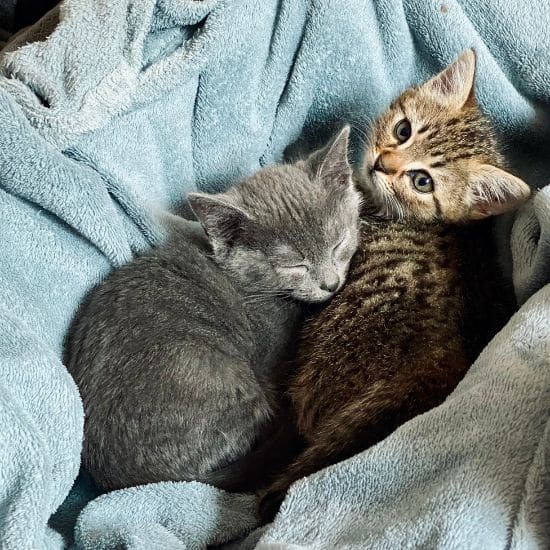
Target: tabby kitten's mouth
{"type": "Point", "coordinates": [375, 202]}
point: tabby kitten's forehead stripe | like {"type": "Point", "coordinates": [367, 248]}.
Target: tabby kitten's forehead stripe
{"type": "Point", "coordinates": [434, 156]}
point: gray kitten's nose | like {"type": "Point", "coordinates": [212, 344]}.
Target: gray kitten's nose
{"type": "Point", "coordinates": [330, 285]}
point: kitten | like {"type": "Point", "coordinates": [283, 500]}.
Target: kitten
{"type": "Point", "coordinates": [173, 353]}
{"type": "Point", "coordinates": [424, 292]}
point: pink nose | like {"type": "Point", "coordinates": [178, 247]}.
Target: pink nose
{"type": "Point", "coordinates": [387, 163]}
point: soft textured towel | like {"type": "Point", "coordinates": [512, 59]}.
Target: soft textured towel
{"type": "Point", "coordinates": [111, 111]}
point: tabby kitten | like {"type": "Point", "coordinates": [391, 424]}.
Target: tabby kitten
{"type": "Point", "coordinates": [174, 353]}
{"type": "Point", "coordinates": [424, 292]}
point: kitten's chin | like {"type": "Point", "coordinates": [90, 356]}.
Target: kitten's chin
{"type": "Point", "coordinates": [313, 298]}
{"type": "Point", "coordinates": [373, 203]}
{"type": "Point", "coordinates": [364, 181]}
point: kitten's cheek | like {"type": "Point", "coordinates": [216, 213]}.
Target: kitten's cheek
{"type": "Point", "coordinates": [343, 279]}
{"type": "Point", "coordinates": [343, 272]}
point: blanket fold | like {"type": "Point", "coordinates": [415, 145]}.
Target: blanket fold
{"type": "Point", "coordinates": [111, 111]}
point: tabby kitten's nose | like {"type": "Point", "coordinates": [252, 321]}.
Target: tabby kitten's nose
{"type": "Point", "coordinates": [330, 285]}
{"type": "Point", "coordinates": [388, 163]}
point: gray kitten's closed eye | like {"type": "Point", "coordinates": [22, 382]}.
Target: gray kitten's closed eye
{"type": "Point", "coordinates": [342, 246]}
{"type": "Point", "coordinates": [298, 269]}
{"type": "Point", "coordinates": [175, 353]}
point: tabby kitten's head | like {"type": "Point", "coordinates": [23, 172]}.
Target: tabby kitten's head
{"type": "Point", "coordinates": [433, 155]}
{"type": "Point", "coordinates": [288, 230]}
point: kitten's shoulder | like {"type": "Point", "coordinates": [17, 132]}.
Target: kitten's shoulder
{"type": "Point", "coordinates": [181, 261]}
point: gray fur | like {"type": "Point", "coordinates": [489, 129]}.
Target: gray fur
{"type": "Point", "coordinates": [174, 354]}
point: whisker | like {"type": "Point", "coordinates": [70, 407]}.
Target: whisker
{"type": "Point", "coordinates": [268, 292]}
{"type": "Point", "coordinates": [398, 209]}
{"type": "Point", "coordinates": [265, 296]}
{"type": "Point", "coordinates": [356, 117]}
{"type": "Point", "coordinates": [363, 134]}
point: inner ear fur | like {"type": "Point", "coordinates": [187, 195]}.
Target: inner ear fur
{"type": "Point", "coordinates": [495, 191]}
{"type": "Point", "coordinates": [454, 86]}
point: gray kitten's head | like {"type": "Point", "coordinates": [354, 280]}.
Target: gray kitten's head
{"type": "Point", "coordinates": [289, 229]}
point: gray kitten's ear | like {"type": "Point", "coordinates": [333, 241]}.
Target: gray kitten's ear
{"type": "Point", "coordinates": [331, 163]}
{"type": "Point", "coordinates": [454, 86]}
{"type": "Point", "coordinates": [495, 191]}
{"type": "Point", "coordinates": [221, 220]}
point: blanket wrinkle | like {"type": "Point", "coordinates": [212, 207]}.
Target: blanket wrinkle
{"type": "Point", "coordinates": [112, 111]}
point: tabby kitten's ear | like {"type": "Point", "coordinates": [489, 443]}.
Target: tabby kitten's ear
{"type": "Point", "coordinates": [221, 221]}
{"type": "Point", "coordinates": [330, 164]}
{"type": "Point", "coordinates": [454, 86]}
{"type": "Point", "coordinates": [495, 191]}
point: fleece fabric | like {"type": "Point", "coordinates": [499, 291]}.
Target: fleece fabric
{"type": "Point", "coordinates": [111, 111]}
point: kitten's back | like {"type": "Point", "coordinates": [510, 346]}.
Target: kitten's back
{"type": "Point", "coordinates": [422, 300]}
{"type": "Point", "coordinates": [408, 307]}
{"type": "Point", "coordinates": [174, 353]}
{"type": "Point", "coordinates": [158, 310]}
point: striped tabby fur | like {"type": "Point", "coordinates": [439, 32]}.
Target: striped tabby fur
{"type": "Point", "coordinates": [424, 292]}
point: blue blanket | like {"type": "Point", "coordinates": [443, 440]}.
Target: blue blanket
{"type": "Point", "coordinates": [112, 110]}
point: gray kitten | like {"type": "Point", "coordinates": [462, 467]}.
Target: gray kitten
{"type": "Point", "coordinates": [175, 353]}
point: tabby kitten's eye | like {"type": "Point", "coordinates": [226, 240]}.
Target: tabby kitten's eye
{"type": "Point", "coordinates": [422, 181]}
{"type": "Point", "coordinates": [402, 130]}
